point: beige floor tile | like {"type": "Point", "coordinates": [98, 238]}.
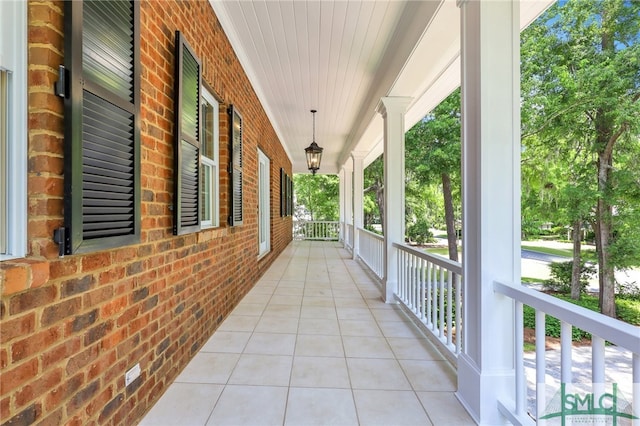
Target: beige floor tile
{"type": "Point", "coordinates": [250, 406]}
{"type": "Point", "coordinates": [239, 323]}
{"type": "Point", "coordinates": [251, 309]}
{"type": "Point", "coordinates": [350, 302]}
{"type": "Point", "coordinates": [183, 404]}
{"type": "Point", "coordinates": [354, 313]}
{"type": "Point", "coordinates": [319, 372]}
{"type": "Point", "coordinates": [399, 329]}
{"type": "Point", "coordinates": [320, 407]}
{"type": "Point", "coordinates": [274, 324]}
{"type": "Point", "coordinates": [267, 370]}
{"type": "Point", "coordinates": [285, 311]}
{"type": "Point", "coordinates": [324, 291]}
{"type": "Point", "coordinates": [319, 326]}
{"type": "Point", "coordinates": [412, 348]}
{"type": "Point", "coordinates": [380, 374]}
{"type": "Point", "coordinates": [227, 341]}
{"type": "Point", "coordinates": [366, 347]}
{"type": "Point", "coordinates": [429, 375]}
{"type": "Point", "coordinates": [321, 301]}
{"type": "Point", "coordinates": [319, 345]}
{"type": "Point", "coordinates": [390, 315]}
{"type": "Point", "coordinates": [359, 328]}
{"type": "Point", "coordinates": [322, 312]}
{"type": "Point", "coordinates": [281, 299]}
{"type": "Point", "coordinates": [209, 367]}
{"type": "Point", "coordinates": [271, 344]}
{"type": "Point", "coordinates": [288, 290]}
{"type": "Point", "coordinates": [444, 409]}
{"type": "Point", "coordinates": [374, 408]}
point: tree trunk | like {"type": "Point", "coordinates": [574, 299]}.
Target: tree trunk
{"type": "Point", "coordinates": [380, 200]}
{"type": "Point", "coordinates": [604, 234]}
{"type": "Point", "coordinates": [605, 141]}
{"type": "Point", "coordinates": [452, 238]}
{"type": "Point", "coordinates": [576, 286]}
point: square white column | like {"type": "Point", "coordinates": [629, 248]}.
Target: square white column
{"type": "Point", "coordinates": [393, 110]}
{"type": "Point", "coordinates": [358, 203]}
{"type": "Point", "coordinates": [491, 202]}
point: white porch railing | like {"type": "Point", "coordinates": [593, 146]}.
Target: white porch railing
{"type": "Point", "coordinates": [430, 288]}
{"type": "Point", "coordinates": [625, 337]}
{"type": "Point", "coordinates": [316, 230]}
{"type": "Point", "coordinates": [371, 246]}
{"type": "Point", "coordinates": [348, 241]}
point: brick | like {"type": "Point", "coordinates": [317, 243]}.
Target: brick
{"type": "Point", "coordinates": [26, 417]}
{"type": "Point", "coordinates": [17, 327]}
{"type": "Point", "coordinates": [68, 348]}
{"type": "Point", "coordinates": [33, 344]}
{"type": "Point", "coordinates": [60, 311]}
{"type": "Point", "coordinates": [18, 376]}
{"type": "Point", "coordinates": [110, 408]}
{"type": "Point", "coordinates": [38, 387]}
{"type": "Point", "coordinates": [31, 299]}
{"type": "Point", "coordinates": [97, 296]}
{"type": "Point", "coordinates": [67, 388]}
{"type": "Point", "coordinates": [76, 286]}
{"type": "Point", "coordinates": [98, 332]}
{"type": "Point", "coordinates": [16, 279]}
{"type": "Point", "coordinates": [96, 261]}
{"type": "Point", "coordinates": [53, 419]}
{"type": "Point", "coordinates": [140, 294]}
{"type": "Point", "coordinates": [82, 321]}
{"type": "Point", "coordinates": [83, 396]}
{"type": "Point", "coordinates": [79, 361]}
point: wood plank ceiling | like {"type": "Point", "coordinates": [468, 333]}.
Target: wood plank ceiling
{"type": "Point", "coordinates": [340, 58]}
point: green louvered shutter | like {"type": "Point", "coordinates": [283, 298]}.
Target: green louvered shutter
{"type": "Point", "coordinates": [187, 140]}
{"type": "Point", "coordinates": [102, 133]}
{"type": "Point", "coordinates": [236, 217]}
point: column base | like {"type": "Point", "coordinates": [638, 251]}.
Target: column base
{"type": "Point", "coordinates": [480, 391]}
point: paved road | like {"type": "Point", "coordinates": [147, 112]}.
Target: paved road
{"type": "Point", "coordinates": [543, 257]}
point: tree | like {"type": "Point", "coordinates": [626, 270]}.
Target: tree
{"type": "Point", "coordinates": [374, 193]}
{"type": "Point", "coordinates": [433, 152]}
{"type": "Point", "coordinates": [581, 75]}
{"type": "Point", "coordinates": [316, 197]}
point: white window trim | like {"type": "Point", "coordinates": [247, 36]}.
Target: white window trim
{"type": "Point", "coordinates": [13, 60]}
{"type": "Point", "coordinates": [264, 204]}
{"type": "Point", "coordinates": [215, 163]}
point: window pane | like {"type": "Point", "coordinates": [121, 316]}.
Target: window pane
{"type": "Point", "coordinates": [208, 123]}
{"type": "Point", "coordinates": [4, 172]}
{"type": "Point", "coordinates": [205, 212]}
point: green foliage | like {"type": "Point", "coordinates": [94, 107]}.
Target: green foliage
{"type": "Point", "coordinates": [316, 196]}
{"type": "Point", "coordinates": [627, 308]}
{"type": "Point", "coordinates": [419, 232]}
{"type": "Point", "coordinates": [560, 280]}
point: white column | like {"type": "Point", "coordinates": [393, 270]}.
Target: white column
{"type": "Point", "coordinates": [490, 202]}
{"type": "Point", "coordinates": [358, 189]}
{"type": "Point", "coordinates": [392, 110]}
{"type": "Point", "coordinates": [341, 198]}
{"type": "Point", "coordinates": [348, 203]}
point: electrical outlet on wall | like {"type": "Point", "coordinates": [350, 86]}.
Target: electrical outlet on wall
{"type": "Point", "coordinates": [132, 374]}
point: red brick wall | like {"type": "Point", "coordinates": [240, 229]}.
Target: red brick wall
{"type": "Point", "coordinates": [71, 327]}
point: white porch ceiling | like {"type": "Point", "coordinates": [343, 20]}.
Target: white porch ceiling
{"type": "Point", "coordinates": [341, 57]}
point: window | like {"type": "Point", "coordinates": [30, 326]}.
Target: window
{"type": "Point", "coordinates": [264, 204]}
{"type": "Point", "coordinates": [186, 199]}
{"type": "Point", "coordinates": [102, 134]}
{"type": "Point", "coordinates": [236, 216]}
{"type": "Point", "coordinates": [13, 130]}
{"type": "Point", "coordinates": [209, 211]}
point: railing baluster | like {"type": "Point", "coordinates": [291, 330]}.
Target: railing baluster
{"type": "Point", "coordinates": [441, 299]}
{"type": "Point", "coordinates": [459, 313]}
{"type": "Point", "coordinates": [521, 383]}
{"type": "Point", "coordinates": [541, 364]}
{"type": "Point", "coordinates": [449, 309]}
{"type": "Point", "coordinates": [565, 353]}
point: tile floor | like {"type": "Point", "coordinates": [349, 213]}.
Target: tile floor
{"type": "Point", "coordinates": [313, 344]}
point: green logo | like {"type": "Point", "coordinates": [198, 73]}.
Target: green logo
{"type": "Point", "coordinates": [593, 408]}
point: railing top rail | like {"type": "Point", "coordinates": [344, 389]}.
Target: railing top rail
{"type": "Point", "coordinates": [316, 221]}
{"type": "Point", "coordinates": [614, 331]}
{"type": "Point", "coordinates": [455, 267]}
{"type": "Point", "coordinates": [371, 234]}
